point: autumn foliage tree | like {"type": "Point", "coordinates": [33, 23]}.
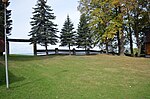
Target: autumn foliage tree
{"type": "Point", "coordinates": [103, 20]}
{"type": "Point", "coordinates": [117, 18]}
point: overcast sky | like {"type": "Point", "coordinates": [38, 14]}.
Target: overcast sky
{"type": "Point", "coordinates": [22, 12]}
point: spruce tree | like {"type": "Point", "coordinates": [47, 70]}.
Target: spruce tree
{"type": "Point", "coordinates": [43, 29]}
{"type": "Point", "coordinates": [67, 35]}
{"type": "Point", "coordinates": [84, 36]}
{"type": "Point", "coordinates": [8, 20]}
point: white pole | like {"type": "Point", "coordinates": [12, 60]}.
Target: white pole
{"type": "Point", "coordinates": [6, 61]}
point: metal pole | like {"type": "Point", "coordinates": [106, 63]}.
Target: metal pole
{"type": "Point", "coordinates": [6, 61]}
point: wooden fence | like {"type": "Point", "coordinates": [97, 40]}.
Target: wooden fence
{"type": "Point", "coordinates": [74, 51]}
{"type": "Point", "coordinates": [22, 40]}
{"type": "Point", "coordinates": [57, 51]}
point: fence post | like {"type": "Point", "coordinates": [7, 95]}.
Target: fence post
{"type": "Point", "coordinates": [88, 51]}
{"type": "Point", "coordinates": [7, 47]}
{"type": "Point", "coordinates": [34, 49]}
{"type": "Point", "coordinates": [56, 51]}
{"type": "Point", "coordinates": [74, 51]}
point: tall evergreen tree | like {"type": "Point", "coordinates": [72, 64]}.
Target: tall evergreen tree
{"type": "Point", "coordinates": [67, 35]}
{"type": "Point", "coordinates": [8, 20]}
{"type": "Point", "coordinates": [43, 29]}
{"type": "Point", "coordinates": [84, 36]}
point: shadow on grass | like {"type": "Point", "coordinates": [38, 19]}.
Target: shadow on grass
{"type": "Point", "coordinates": [30, 58]}
{"type": "Point", "coordinates": [12, 77]}
{"type": "Point", "coordinates": [26, 83]}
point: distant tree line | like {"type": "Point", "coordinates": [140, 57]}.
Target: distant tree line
{"type": "Point", "coordinates": [110, 24]}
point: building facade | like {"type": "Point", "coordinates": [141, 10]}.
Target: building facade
{"type": "Point", "coordinates": [147, 44]}
{"type": "Point", "coordinates": [2, 45]}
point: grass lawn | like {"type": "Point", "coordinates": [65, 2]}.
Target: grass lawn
{"type": "Point", "coordinates": [76, 77]}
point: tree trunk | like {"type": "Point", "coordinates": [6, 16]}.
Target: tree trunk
{"type": "Point", "coordinates": [35, 49]}
{"type": "Point", "coordinates": [122, 44]}
{"type": "Point", "coordinates": [118, 10]}
{"type": "Point", "coordinates": [130, 35]}
{"type": "Point", "coordinates": [131, 40]}
{"type": "Point", "coordinates": [119, 44]}
{"type": "Point", "coordinates": [46, 49]}
{"type": "Point", "coordinates": [69, 50]}
{"type": "Point", "coordinates": [106, 47]}
{"type": "Point", "coordinates": [137, 33]}
{"type": "Point", "coordinates": [1, 53]}
{"type": "Point", "coordinates": [139, 50]}
{"type": "Point", "coordinates": [112, 49]}
{"type": "Point", "coordinates": [86, 50]}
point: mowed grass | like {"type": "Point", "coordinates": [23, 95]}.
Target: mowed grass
{"type": "Point", "coordinates": [76, 77]}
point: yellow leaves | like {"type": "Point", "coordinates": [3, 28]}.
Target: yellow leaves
{"type": "Point", "coordinates": [101, 13]}
{"type": "Point", "coordinates": [112, 29]}
{"type": "Point", "coordinates": [95, 12]}
{"type": "Point", "coordinates": [115, 2]}
{"type": "Point", "coordinates": [95, 1]}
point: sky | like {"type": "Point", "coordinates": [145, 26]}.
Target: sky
{"type": "Point", "coordinates": [22, 14]}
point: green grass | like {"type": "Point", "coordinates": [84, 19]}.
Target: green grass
{"type": "Point", "coordinates": [76, 77]}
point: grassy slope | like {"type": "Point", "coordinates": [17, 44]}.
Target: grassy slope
{"type": "Point", "coordinates": [77, 77]}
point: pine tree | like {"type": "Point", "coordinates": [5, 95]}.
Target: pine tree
{"type": "Point", "coordinates": [8, 20]}
{"type": "Point", "coordinates": [84, 36]}
{"type": "Point", "coordinates": [43, 29]}
{"type": "Point", "coordinates": [67, 35]}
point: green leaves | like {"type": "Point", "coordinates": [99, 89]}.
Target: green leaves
{"type": "Point", "coordinates": [102, 14]}
{"type": "Point", "coordinates": [116, 18]}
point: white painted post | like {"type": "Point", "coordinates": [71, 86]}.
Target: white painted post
{"type": "Point", "coordinates": [6, 58]}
